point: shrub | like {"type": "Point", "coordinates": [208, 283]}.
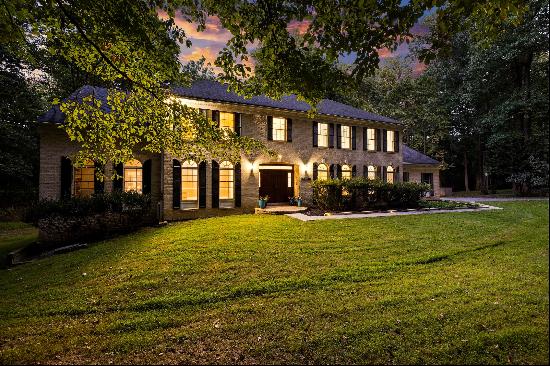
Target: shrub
{"type": "Point", "coordinates": [115, 202]}
{"type": "Point", "coordinates": [362, 193]}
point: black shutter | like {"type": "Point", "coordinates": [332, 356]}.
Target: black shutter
{"type": "Point", "coordinates": [215, 184]}
{"type": "Point", "coordinates": [216, 117]}
{"type": "Point", "coordinates": [384, 140]}
{"type": "Point", "coordinates": [289, 129]}
{"type": "Point", "coordinates": [118, 182]}
{"type": "Point", "coordinates": [365, 140]}
{"type": "Point", "coordinates": [315, 134]}
{"type": "Point", "coordinates": [176, 183]}
{"type": "Point", "coordinates": [384, 174]}
{"type": "Point", "coordinates": [202, 184]}
{"type": "Point", "coordinates": [339, 171]}
{"type": "Point", "coordinates": [331, 135]}
{"type": "Point", "coordinates": [354, 171]}
{"type": "Point", "coordinates": [353, 138]}
{"type": "Point", "coordinates": [99, 185]}
{"type": "Point", "coordinates": [238, 125]}
{"type": "Point", "coordinates": [269, 128]}
{"type": "Point", "coordinates": [396, 146]}
{"type": "Point", "coordinates": [237, 184]}
{"type": "Point", "coordinates": [378, 139]}
{"type": "Point", "coordinates": [146, 176]}
{"type": "Point", "coordinates": [365, 171]}
{"type": "Point", "coordinates": [378, 172]}
{"type": "Point", "coordinates": [66, 177]}
{"type": "Point", "coordinates": [338, 136]}
{"type": "Point", "coordinates": [315, 170]}
{"type": "Point", "coordinates": [396, 175]}
{"type": "Point", "coordinates": [332, 171]}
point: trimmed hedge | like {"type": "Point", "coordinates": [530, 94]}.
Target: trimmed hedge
{"type": "Point", "coordinates": [364, 194]}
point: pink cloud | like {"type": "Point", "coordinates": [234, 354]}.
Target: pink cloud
{"type": "Point", "coordinates": [213, 29]}
{"type": "Point", "coordinates": [298, 27]}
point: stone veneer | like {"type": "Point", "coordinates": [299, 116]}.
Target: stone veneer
{"type": "Point", "coordinates": [300, 153]}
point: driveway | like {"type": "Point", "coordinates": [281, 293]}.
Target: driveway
{"type": "Point", "coordinates": [493, 199]}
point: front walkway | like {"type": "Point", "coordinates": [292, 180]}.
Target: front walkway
{"type": "Point", "coordinates": [303, 217]}
{"type": "Point", "coordinates": [493, 199]}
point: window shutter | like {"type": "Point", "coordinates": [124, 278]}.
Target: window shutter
{"type": "Point", "coordinates": [118, 183]}
{"type": "Point", "coordinates": [354, 171]}
{"type": "Point", "coordinates": [338, 136]}
{"type": "Point", "coordinates": [331, 135]}
{"type": "Point", "coordinates": [384, 174]}
{"type": "Point", "coordinates": [99, 185]}
{"type": "Point", "coordinates": [315, 134]}
{"type": "Point", "coordinates": [237, 184]}
{"type": "Point", "coordinates": [384, 140]}
{"type": "Point", "coordinates": [353, 138]}
{"type": "Point", "coordinates": [365, 171]}
{"type": "Point", "coordinates": [378, 139]}
{"type": "Point", "coordinates": [269, 128]}
{"type": "Point", "coordinates": [365, 141]}
{"type": "Point", "coordinates": [66, 177]}
{"type": "Point", "coordinates": [396, 175]}
{"type": "Point", "coordinates": [238, 125]}
{"type": "Point", "coordinates": [146, 176]}
{"type": "Point", "coordinates": [396, 145]}
{"type": "Point", "coordinates": [332, 171]}
{"type": "Point", "coordinates": [289, 129]}
{"type": "Point", "coordinates": [215, 184]}
{"type": "Point", "coordinates": [202, 184]}
{"type": "Point", "coordinates": [405, 176]}
{"type": "Point", "coordinates": [216, 117]}
{"type": "Point", "coordinates": [315, 171]}
{"type": "Point", "coordinates": [378, 172]}
{"type": "Point", "coordinates": [176, 183]}
{"type": "Point", "coordinates": [339, 171]}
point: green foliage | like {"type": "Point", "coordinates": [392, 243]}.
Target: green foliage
{"type": "Point", "coordinates": [362, 194]}
{"type": "Point", "coordinates": [135, 203]}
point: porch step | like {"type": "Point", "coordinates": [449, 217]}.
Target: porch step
{"type": "Point", "coordinates": [279, 210]}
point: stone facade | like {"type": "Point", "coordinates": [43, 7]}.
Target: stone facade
{"type": "Point", "coordinates": [299, 153]}
{"type": "Point", "coordinates": [415, 175]}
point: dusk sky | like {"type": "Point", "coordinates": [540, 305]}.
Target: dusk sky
{"type": "Point", "coordinates": [210, 41]}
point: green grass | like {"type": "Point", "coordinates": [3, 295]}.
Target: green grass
{"type": "Point", "coordinates": [498, 193]}
{"type": "Point", "coordinates": [14, 235]}
{"type": "Point", "coordinates": [445, 288]}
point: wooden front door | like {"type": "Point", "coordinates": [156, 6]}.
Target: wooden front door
{"type": "Point", "coordinates": [277, 184]}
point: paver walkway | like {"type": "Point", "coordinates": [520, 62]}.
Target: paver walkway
{"type": "Point", "coordinates": [303, 217]}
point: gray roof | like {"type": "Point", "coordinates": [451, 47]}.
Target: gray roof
{"type": "Point", "coordinates": [216, 92]}
{"type": "Point", "coordinates": [411, 156]}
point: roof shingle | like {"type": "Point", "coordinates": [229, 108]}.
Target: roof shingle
{"type": "Point", "coordinates": [411, 156]}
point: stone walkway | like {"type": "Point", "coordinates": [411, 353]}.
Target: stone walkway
{"type": "Point", "coordinates": [493, 199]}
{"type": "Point", "coordinates": [303, 217]}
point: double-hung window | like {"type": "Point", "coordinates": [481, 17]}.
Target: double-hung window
{"type": "Point", "coordinates": [322, 135]}
{"type": "Point", "coordinates": [84, 179]}
{"type": "Point", "coordinates": [227, 121]}
{"type": "Point", "coordinates": [322, 172]}
{"type": "Point", "coordinates": [371, 172]}
{"type": "Point", "coordinates": [346, 172]}
{"type": "Point", "coordinates": [133, 176]}
{"type": "Point", "coordinates": [227, 180]}
{"type": "Point", "coordinates": [346, 137]}
{"type": "Point", "coordinates": [279, 129]}
{"type": "Point", "coordinates": [390, 174]}
{"type": "Point", "coordinates": [390, 138]}
{"type": "Point", "coordinates": [371, 139]}
{"type": "Point", "coordinates": [189, 184]}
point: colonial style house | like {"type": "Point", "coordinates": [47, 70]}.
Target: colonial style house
{"type": "Point", "coordinates": [341, 141]}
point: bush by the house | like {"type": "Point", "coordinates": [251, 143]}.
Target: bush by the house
{"type": "Point", "coordinates": [89, 218]}
{"type": "Point", "coordinates": [364, 194]}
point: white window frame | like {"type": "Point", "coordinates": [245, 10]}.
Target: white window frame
{"type": "Point", "coordinates": [345, 135]}
{"type": "Point", "coordinates": [81, 172]}
{"type": "Point", "coordinates": [322, 134]}
{"type": "Point", "coordinates": [390, 172]}
{"type": "Point", "coordinates": [347, 171]}
{"type": "Point", "coordinates": [279, 129]}
{"type": "Point", "coordinates": [371, 172]}
{"type": "Point", "coordinates": [227, 121]}
{"type": "Point", "coordinates": [371, 139]}
{"type": "Point", "coordinates": [227, 184]}
{"type": "Point", "coordinates": [133, 173]}
{"type": "Point", "coordinates": [390, 141]}
{"type": "Point", "coordinates": [189, 174]}
{"type": "Point", "coordinates": [325, 173]}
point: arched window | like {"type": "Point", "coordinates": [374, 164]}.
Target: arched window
{"type": "Point", "coordinates": [84, 177]}
{"type": "Point", "coordinates": [227, 179]}
{"type": "Point", "coordinates": [133, 176]}
{"type": "Point", "coordinates": [389, 174]}
{"type": "Point", "coordinates": [189, 184]}
{"type": "Point", "coordinates": [346, 171]}
{"type": "Point", "coordinates": [371, 173]}
{"type": "Point", "coordinates": [322, 172]}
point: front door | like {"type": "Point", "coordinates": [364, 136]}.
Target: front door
{"type": "Point", "coordinates": [428, 178]}
{"type": "Point", "coordinates": [277, 184]}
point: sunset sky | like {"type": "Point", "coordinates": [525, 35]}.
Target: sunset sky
{"type": "Point", "coordinates": [210, 41]}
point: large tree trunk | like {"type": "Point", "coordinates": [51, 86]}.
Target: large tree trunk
{"type": "Point", "coordinates": [466, 177]}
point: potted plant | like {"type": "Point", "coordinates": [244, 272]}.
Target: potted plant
{"type": "Point", "coordinates": [291, 201]}
{"type": "Point", "coordinates": [262, 201]}
{"type": "Point", "coordinates": [299, 201]}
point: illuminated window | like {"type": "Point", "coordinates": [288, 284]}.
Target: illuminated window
{"type": "Point", "coordinates": [389, 174]}
{"type": "Point", "coordinates": [133, 180]}
{"type": "Point", "coordinates": [84, 179]}
{"type": "Point", "coordinates": [346, 137]}
{"type": "Point", "coordinates": [289, 180]}
{"type": "Point", "coordinates": [371, 172]}
{"type": "Point", "coordinates": [322, 135]}
{"type": "Point", "coordinates": [226, 180]}
{"type": "Point", "coordinates": [279, 129]}
{"type": "Point", "coordinates": [322, 172]}
{"type": "Point", "coordinates": [227, 121]}
{"type": "Point", "coordinates": [189, 181]}
{"type": "Point", "coordinates": [346, 172]}
{"type": "Point", "coordinates": [390, 138]}
{"type": "Point", "coordinates": [371, 139]}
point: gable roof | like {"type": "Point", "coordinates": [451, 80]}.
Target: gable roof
{"type": "Point", "coordinates": [216, 92]}
{"type": "Point", "coordinates": [411, 156]}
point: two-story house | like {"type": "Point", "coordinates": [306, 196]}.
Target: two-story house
{"type": "Point", "coordinates": [341, 141]}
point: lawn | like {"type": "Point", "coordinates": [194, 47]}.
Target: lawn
{"type": "Point", "coordinates": [14, 235]}
{"type": "Point", "coordinates": [444, 288]}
